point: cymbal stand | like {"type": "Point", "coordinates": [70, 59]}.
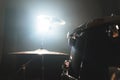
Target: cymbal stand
{"type": "Point", "coordinates": [65, 74]}
{"type": "Point", "coordinates": [23, 68]}
{"type": "Point", "coordinates": [42, 67]}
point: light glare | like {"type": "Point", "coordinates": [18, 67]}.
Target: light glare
{"type": "Point", "coordinates": [117, 27]}
{"type": "Point", "coordinates": [45, 24]}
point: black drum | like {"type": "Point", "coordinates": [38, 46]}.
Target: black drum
{"type": "Point", "coordinates": [95, 46]}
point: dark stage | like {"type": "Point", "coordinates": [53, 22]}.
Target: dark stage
{"type": "Point", "coordinates": [28, 25]}
{"type": "Point", "coordinates": [33, 67]}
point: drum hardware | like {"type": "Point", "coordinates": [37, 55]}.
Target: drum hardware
{"type": "Point", "coordinates": [113, 31]}
{"type": "Point", "coordinates": [65, 74]}
{"type": "Point", "coordinates": [66, 66]}
{"type": "Point", "coordinates": [23, 68]}
{"type": "Point", "coordinates": [67, 77]}
{"type": "Point", "coordinates": [37, 52]}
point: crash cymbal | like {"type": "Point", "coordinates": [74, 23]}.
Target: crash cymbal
{"type": "Point", "coordinates": [40, 52]}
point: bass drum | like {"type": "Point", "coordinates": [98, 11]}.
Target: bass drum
{"type": "Point", "coordinates": [95, 46]}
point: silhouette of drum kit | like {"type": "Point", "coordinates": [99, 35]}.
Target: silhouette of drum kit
{"type": "Point", "coordinates": [111, 31]}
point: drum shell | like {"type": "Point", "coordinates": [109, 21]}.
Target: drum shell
{"type": "Point", "coordinates": [96, 45]}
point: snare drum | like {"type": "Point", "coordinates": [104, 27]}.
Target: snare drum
{"type": "Point", "coordinates": [94, 47]}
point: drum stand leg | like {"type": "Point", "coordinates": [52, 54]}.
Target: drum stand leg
{"type": "Point", "coordinates": [42, 67]}
{"type": "Point", "coordinates": [23, 69]}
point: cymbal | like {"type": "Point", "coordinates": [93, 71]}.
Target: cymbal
{"type": "Point", "coordinates": [40, 52]}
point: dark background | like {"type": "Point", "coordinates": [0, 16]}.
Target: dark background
{"type": "Point", "coordinates": [17, 22]}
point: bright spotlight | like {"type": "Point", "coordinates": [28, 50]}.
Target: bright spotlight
{"type": "Point", "coordinates": [56, 21]}
{"type": "Point", "coordinates": [45, 23]}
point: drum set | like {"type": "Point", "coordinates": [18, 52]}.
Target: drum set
{"type": "Point", "coordinates": [94, 47]}
{"type": "Point", "coordinates": [39, 52]}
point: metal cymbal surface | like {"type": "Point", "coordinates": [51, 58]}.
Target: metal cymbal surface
{"type": "Point", "coordinates": [40, 52]}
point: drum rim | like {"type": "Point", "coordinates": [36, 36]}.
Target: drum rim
{"type": "Point", "coordinates": [98, 22]}
{"type": "Point", "coordinates": [104, 20]}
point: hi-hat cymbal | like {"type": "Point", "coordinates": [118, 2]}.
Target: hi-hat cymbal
{"type": "Point", "coordinates": [40, 52]}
